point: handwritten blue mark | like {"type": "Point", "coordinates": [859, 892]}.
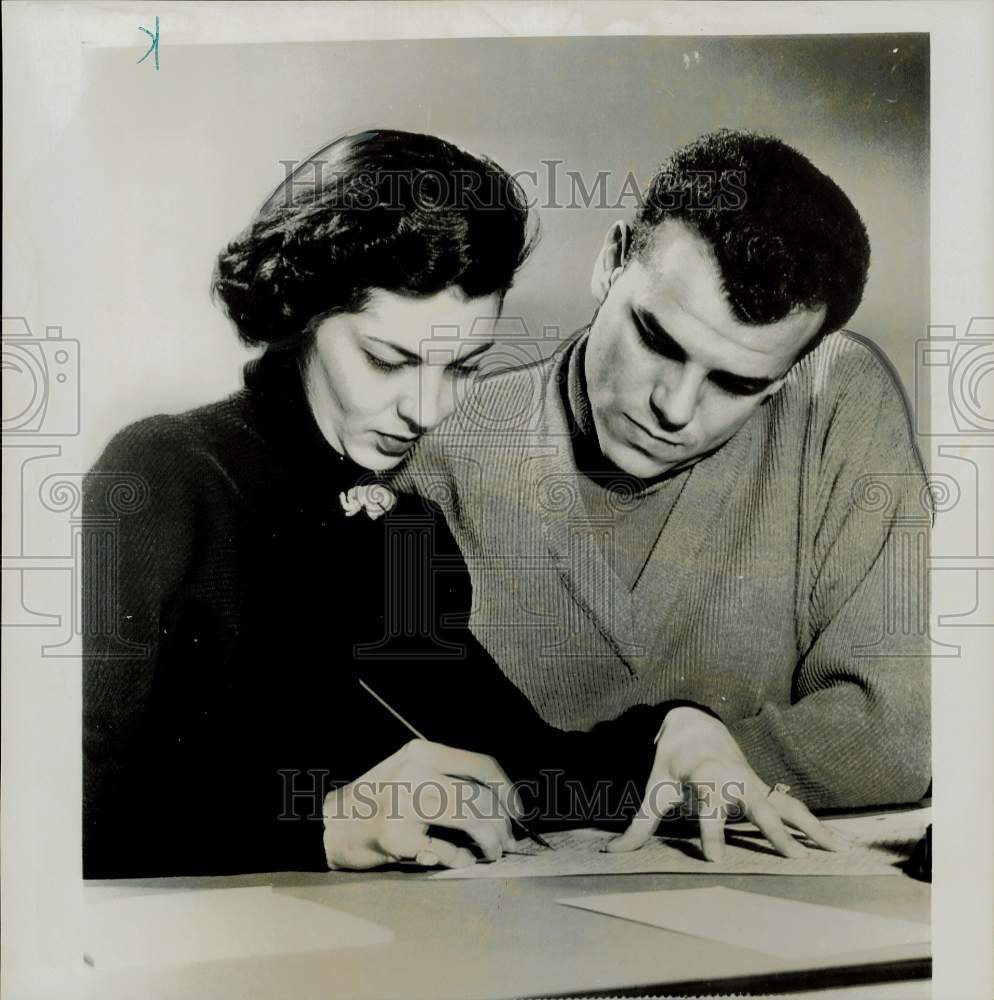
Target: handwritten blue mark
{"type": "Point", "coordinates": [154, 47]}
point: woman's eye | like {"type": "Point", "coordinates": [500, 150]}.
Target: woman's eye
{"type": "Point", "coordinates": [383, 366]}
{"type": "Point", "coordinates": [464, 371]}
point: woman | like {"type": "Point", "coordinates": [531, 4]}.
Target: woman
{"type": "Point", "coordinates": [225, 717]}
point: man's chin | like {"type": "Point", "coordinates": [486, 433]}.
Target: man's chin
{"type": "Point", "coordinates": [637, 463]}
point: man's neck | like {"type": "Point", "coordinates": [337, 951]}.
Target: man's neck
{"type": "Point", "coordinates": [587, 453]}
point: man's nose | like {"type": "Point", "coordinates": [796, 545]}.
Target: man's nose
{"type": "Point", "coordinates": [674, 399]}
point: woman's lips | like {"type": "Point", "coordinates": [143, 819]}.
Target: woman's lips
{"type": "Point", "coordinates": [394, 444]}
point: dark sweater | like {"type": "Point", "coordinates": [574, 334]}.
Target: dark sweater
{"type": "Point", "coordinates": [230, 620]}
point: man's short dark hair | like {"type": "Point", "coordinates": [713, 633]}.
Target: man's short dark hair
{"type": "Point", "coordinates": [383, 209]}
{"type": "Point", "coordinates": [784, 234]}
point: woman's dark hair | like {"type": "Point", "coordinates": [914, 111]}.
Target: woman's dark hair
{"type": "Point", "coordinates": [407, 213]}
{"type": "Point", "coordinates": [784, 234]}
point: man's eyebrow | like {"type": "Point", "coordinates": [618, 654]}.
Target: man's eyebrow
{"type": "Point", "coordinates": [665, 344]}
{"type": "Point", "coordinates": [479, 349]}
{"type": "Point", "coordinates": [660, 339]}
{"type": "Point", "coordinates": [747, 383]}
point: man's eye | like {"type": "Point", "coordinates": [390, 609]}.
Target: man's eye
{"type": "Point", "coordinates": [663, 347]}
{"type": "Point", "coordinates": [383, 366]}
{"type": "Point", "coordinates": [464, 371]}
{"type": "Point", "coordinates": [740, 389]}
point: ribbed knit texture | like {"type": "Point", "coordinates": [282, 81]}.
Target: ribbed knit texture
{"type": "Point", "coordinates": [244, 608]}
{"type": "Point", "coordinates": [778, 593]}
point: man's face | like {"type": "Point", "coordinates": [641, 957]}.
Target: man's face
{"type": "Point", "coordinates": [671, 374]}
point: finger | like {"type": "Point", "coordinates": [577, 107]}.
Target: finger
{"type": "Point", "coordinates": [356, 858]}
{"type": "Point", "coordinates": [443, 801]}
{"type": "Point", "coordinates": [711, 818]}
{"type": "Point", "coordinates": [660, 798]}
{"type": "Point", "coordinates": [480, 768]}
{"type": "Point", "coordinates": [762, 813]}
{"type": "Point", "coordinates": [441, 853]}
{"type": "Point", "coordinates": [796, 814]}
{"type": "Point", "coordinates": [422, 754]}
{"type": "Point", "coordinates": [485, 833]}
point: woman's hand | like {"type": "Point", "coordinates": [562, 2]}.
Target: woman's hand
{"type": "Point", "coordinates": [383, 816]}
{"type": "Point", "coordinates": [696, 754]}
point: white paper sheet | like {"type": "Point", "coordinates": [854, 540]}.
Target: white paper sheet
{"type": "Point", "coordinates": [783, 927]}
{"type": "Point", "coordinates": [882, 845]}
{"type": "Point", "coordinates": [179, 926]}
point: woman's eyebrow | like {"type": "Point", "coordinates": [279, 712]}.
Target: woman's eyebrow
{"type": "Point", "coordinates": [411, 356]}
{"type": "Point", "coordinates": [408, 355]}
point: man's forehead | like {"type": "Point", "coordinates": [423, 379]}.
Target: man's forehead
{"type": "Point", "coordinates": [680, 263]}
{"type": "Point", "coordinates": [680, 279]}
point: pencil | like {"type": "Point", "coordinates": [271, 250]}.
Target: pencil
{"type": "Point", "coordinates": [531, 834]}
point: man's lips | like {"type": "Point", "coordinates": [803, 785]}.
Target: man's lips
{"type": "Point", "coordinates": [653, 437]}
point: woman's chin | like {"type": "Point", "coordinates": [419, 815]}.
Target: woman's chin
{"type": "Point", "coordinates": [375, 459]}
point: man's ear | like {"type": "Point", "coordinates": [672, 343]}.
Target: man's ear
{"type": "Point", "coordinates": [611, 260]}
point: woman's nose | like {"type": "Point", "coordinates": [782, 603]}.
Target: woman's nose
{"type": "Point", "coordinates": [674, 399]}
{"type": "Point", "coordinates": [428, 404]}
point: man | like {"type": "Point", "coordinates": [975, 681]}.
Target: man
{"type": "Point", "coordinates": [698, 498]}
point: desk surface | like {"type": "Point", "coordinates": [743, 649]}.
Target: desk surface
{"type": "Point", "coordinates": [491, 939]}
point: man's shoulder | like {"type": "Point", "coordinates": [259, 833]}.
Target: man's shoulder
{"type": "Point", "coordinates": [503, 413]}
{"type": "Point", "coordinates": [845, 360]}
{"type": "Point", "coordinates": [512, 388]}
{"type": "Point", "coordinates": [847, 392]}
{"type": "Point", "coordinates": [506, 404]}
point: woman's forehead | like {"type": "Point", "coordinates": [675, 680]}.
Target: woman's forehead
{"type": "Point", "coordinates": [416, 322]}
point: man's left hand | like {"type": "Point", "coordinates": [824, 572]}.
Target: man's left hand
{"type": "Point", "coordinates": [696, 753]}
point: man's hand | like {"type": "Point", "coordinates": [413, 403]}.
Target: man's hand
{"type": "Point", "coordinates": [696, 753]}
{"type": "Point", "coordinates": [383, 816]}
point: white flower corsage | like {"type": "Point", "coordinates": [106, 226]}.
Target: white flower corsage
{"type": "Point", "coordinates": [375, 500]}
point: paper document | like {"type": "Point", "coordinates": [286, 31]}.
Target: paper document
{"type": "Point", "coordinates": [179, 926]}
{"type": "Point", "coordinates": [881, 847]}
{"type": "Point", "coordinates": [769, 924]}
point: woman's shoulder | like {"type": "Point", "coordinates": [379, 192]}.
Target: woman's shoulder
{"type": "Point", "coordinates": [166, 451]}
{"type": "Point", "coordinates": [203, 430]}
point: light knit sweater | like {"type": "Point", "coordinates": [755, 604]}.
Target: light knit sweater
{"type": "Point", "coordinates": [786, 590]}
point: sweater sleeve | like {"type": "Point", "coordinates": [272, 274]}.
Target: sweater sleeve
{"type": "Point", "coordinates": [465, 700]}
{"type": "Point", "coordinates": [147, 546]}
{"type": "Point", "coordinates": [857, 730]}
{"type": "Point", "coordinates": [160, 768]}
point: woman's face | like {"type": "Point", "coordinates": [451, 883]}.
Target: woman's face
{"type": "Point", "coordinates": [379, 379]}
